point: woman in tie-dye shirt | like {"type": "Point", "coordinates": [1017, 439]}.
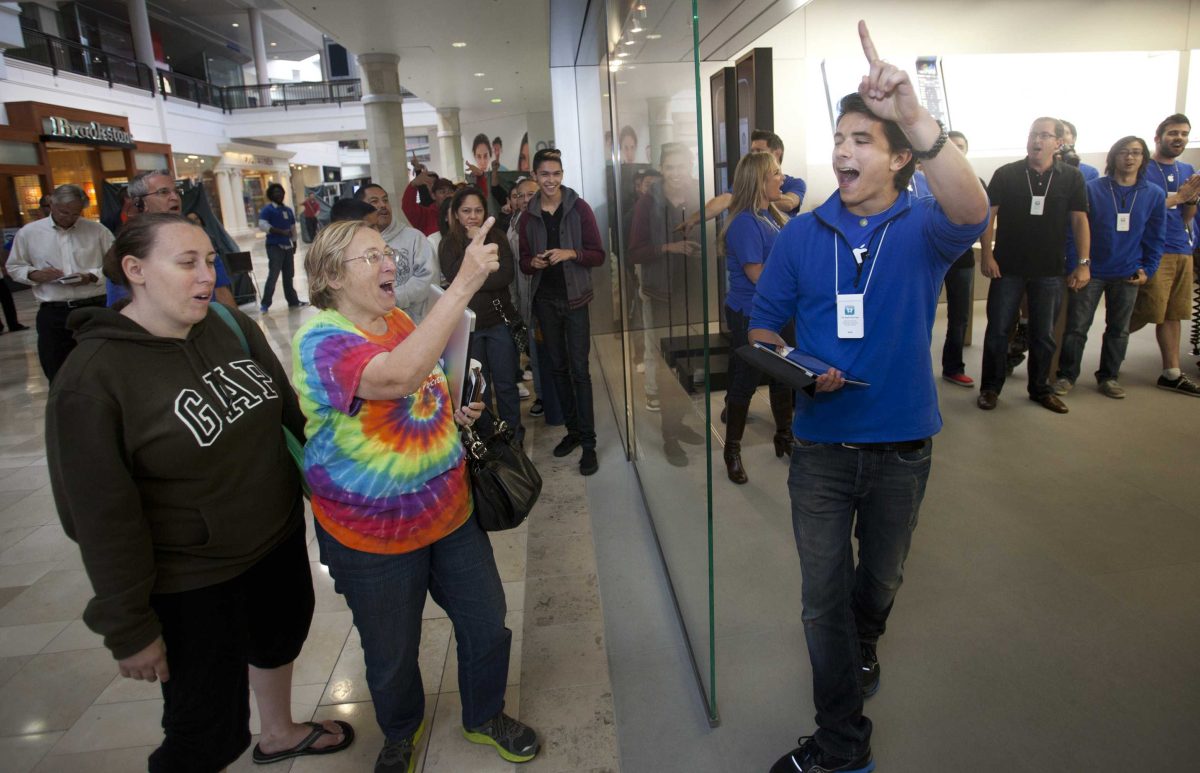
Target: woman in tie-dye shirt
{"type": "Point", "coordinates": [390, 491]}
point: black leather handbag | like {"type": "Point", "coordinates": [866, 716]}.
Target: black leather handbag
{"type": "Point", "coordinates": [504, 483]}
{"type": "Point", "coordinates": [520, 333]}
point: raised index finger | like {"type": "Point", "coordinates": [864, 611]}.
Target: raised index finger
{"type": "Point", "coordinates": [483, 231]}
{"type": "Point", "coordinates": [867, 45]}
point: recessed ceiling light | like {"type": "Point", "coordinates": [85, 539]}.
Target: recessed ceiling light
{"type": "Point", "coordinates": [488, 88]}
{"type": "Point", "coordinates": [605, 95]}
{"type": "Point", "coordinates": [480, 74]}
{"type": "Point", "coordinates": [621, 83]}
{"type": "Point", "coordinates": [235, 24]}
{"type": "Point", "coordinates": [459, 44]}
{"type": "Point", "coordinates": [623, 53]}
{"type": "Point", "coordinates": [642, 7]}
{"type": "Point", "coordinates": [636, 28]}
{"type": "Point", "coordinates": [653, 36]}
{"type": "Point", "coordinates": [630, 42]}
{"type": "Point", "coordinates": [496, 100]}
{"type": "Point", "coordinates": [273, 44]}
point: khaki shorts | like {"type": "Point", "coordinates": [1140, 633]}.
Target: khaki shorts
{"type": "Point", "coordinates": [1168, 294]}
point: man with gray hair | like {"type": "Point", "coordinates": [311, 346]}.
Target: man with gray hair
{"type": "Point", "coordinates": [61, 256]}
{"type": "Point", "coordinates": [155, 191]}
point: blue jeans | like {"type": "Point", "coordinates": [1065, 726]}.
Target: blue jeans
{"type": "Point", "coordinates": [566, 334]}
{"type": "Point", "coordinates": [494, 348]}
{"type": "Point", "coordinates": [958, 314]}
{"type": "Point", "coordinates": [875, 496]}
{"type": "Point", "coordinates": [280, 261]}
{"type": "Point", "coordinates": [386, 594]}
{"type": "Point", "coordinates": [1119, 298]}
{"type": "Point", "coordinates": [1003, 305]}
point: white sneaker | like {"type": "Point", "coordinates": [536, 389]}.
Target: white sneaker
{"type": "Point", "coordinates": [1062, 386]}
{"type": "Point", "coordinates": [523, 392]}
{"type": "Point", "coordinates": [527, 374]}
{"type": "Point", "coordinates": [640, 367]}
{"type": "Point", "coordinates": [1110, 388]}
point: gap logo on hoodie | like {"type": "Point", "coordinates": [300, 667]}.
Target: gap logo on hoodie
{"type": "Point", "coordinates": [238, 387]}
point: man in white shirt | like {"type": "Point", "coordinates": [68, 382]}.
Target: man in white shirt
{"type": "Point", "coordinates": [416, 262]}
{"type": "Point", "coordinates": [62, 257]}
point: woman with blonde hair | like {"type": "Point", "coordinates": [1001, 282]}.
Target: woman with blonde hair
{"type": "Point", "coordinates": [391, 498]}
{"type": "Point", "coordinates": [754, 222]}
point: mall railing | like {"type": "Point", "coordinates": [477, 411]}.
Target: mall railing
{"type": "Point", "coordinates": [62, 55]}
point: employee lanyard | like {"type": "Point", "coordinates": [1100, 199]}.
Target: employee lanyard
{"type": "Point", "coordinates": [1029, 182]}
{"type": "Point", "coordinates": [1113, 191]}
{"type": "Point", "coordinates": [1174, 176]}
{"type": "Point", "coordinates": [858, 260]}
{"type": "Point", "coordinates": [769, 222]}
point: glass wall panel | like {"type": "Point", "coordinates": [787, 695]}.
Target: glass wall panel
{"type": "Point", "coordinates": [663, 268]}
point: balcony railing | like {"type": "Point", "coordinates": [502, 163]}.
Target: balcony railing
{"type": "Point", "coordinates": [62, 55]}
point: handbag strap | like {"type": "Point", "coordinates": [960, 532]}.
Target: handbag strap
{"type": "Point", "coordinates": [294, 446]}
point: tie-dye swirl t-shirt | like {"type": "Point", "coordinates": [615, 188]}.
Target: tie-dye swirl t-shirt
{"type": "Point", "coordinates": [387, 476]}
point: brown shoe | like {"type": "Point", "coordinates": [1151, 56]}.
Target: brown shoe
{"type": "Point", "coordinates": [1051, 403]}
{"type": "Point", "coordinates": [987, 400]}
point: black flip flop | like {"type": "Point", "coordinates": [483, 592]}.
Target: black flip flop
{"type": "Point", "coordinates": [304, 748]}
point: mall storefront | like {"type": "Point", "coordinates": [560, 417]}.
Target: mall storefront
{"type": "Point", "coordinates": [44, 146]}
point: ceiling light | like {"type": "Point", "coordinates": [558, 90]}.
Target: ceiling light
{"type": "Point", "coordinates": [459, 44]}
{"type": "Point", "coordinates": [653, 36]}
{"type": "Point", "coordinates": [605, 95]}
{"type": "Point", "coordinates": [636, 28]}
{"type": "Point", "coordinates": [623, 53]}
{"type": "Point", "coordinates": [641, 7]}
{"type": "Point", "coordinates": [480, 74]}
{"type": "Point", "coordinates": [235, 24]}
{"type": "Point", "coordinates": [496, 100]}
{"type": "Point", "coordinates": [488, 88]}
{"type": "Point", "coordinates": [630, 42]}
{"type": "Point", "coordinates": [273, 44]}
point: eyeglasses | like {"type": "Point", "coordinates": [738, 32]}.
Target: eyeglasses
{"type": "Point", "coordinates": [1043, 136]}
{"type": "Point", "coordinates": [372, 257]}
{"type": "Point", "coordinates": [163, 192]}
{"type": "Point", "coordinates": [1134, 153]}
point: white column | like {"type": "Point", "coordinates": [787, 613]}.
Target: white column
{"type": "Point", "coordinates": [258, 44]}
{"type": "Point", "coordinates": [229, 204]}
{"type": "Point", "coordinates": [449, 136]}
{"type": "Point", "coordinates": [139, 24]}
{"type": "Point", "coordinates": [383, 107]}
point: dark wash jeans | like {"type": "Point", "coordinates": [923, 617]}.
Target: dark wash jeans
{"type": "Point", "coordinates": [875, 496]}
{"type": "Point", "coordinates": [386, 594]}
{"type": "Point", "coordinates": [566, 334]}
{"type": "Point", "coordinates": [1119, 298]}
{"type": "Point", "coordinates": [1003, 305]}
{"type": "Point", "coordinates": [494, 348]}
{"type": "Point", "coordinates": [280, 260]}
{"type": "Point", "coordinates": [959, 304]}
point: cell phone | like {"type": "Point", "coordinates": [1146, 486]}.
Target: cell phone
{"type": "Point", "coordinates": [475, 385]}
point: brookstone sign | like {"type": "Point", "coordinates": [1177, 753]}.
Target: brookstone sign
{"type": "Point", "coordinates": [91, 132]}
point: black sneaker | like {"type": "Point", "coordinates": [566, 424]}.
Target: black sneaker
{"type": "Point", "coordinates": [868, 677]}
{"type": "Point", "coordinates": [516, 741]}
{"type": "Point", "coordinates": [399, 756]}
{"type": "Point", "coordinates": [536, 408]}
{"type": "Point", "coordinates": [1183, 385]}
{"type": "Point", "coordinates": [567, 445]}
{"type": "Point", "coordinates": [588, 463]}
{"type": "Point", "coordinates": [809, 758]}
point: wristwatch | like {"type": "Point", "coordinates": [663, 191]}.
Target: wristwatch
{"type": "Point", "coordinates": [1085, 261]}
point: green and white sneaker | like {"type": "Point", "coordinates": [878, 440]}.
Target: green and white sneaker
{"type": "Point", "coordinates": [513, 739]}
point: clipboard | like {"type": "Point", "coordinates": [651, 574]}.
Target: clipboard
{"type": "Point", "coordinates": [794, 368]}
{"type": "Point", "coordinates": [456, 356]}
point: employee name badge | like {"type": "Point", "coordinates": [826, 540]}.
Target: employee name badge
{"type": "Point", "coordinates": [1037, 205]}
{"type": "Point", "coordinates": [1122, 221]}
{"type": "Point", "coordinates": [850, 316]}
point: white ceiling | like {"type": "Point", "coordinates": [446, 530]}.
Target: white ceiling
{"type": "Point", "coordinates": [507, 40]}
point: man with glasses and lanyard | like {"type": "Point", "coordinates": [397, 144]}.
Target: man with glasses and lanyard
{"type": "Point", "coordinates": [1165, 301]}
{"type": "Point", "coordinates": [155, 191]}
{"type": "Point", "coordinates": [1034, 201]}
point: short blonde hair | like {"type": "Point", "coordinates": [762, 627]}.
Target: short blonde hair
{"type": "Point", "coordinates": [323, 263]}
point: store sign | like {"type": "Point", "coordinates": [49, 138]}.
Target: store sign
{"type": "Point", "coordinates": [91, 132]}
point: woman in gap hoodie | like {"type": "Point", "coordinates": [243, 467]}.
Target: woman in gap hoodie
{"type": "Point", "coordinates": [169, 468]}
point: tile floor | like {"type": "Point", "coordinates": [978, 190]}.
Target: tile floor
{"type": "Point", "coordinates": [64, 708]}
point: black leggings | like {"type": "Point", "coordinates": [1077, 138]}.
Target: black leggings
{"type": "Point", "coordinates": [744, 378]}
{"type": "Point", "coordinates": [258, 618]}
